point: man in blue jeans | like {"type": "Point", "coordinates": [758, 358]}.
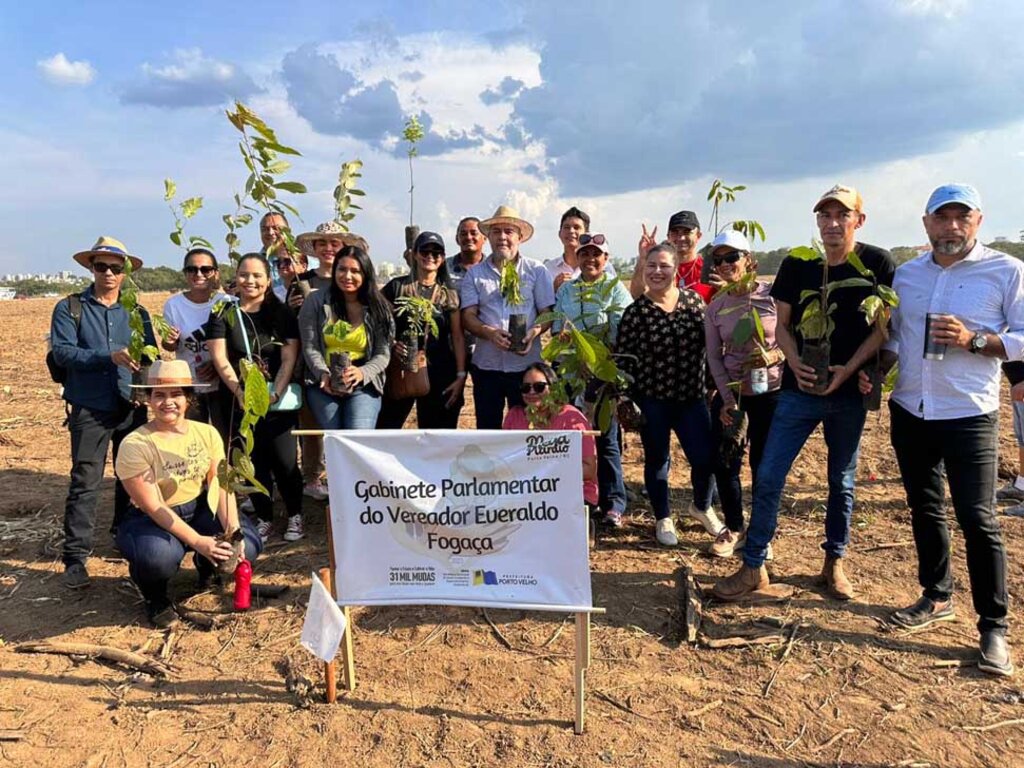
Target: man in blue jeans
{"type": "Point", "coordinates": [494, 303]}
{"type": "Point", "coordinates": [92, 349]}
{"type": "Point", "coordinates": [839, 409]}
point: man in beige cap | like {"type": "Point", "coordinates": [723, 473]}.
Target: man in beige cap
{"type": "Point", "coordinates": [89, 334]}
{"type": "Point", "coordinates": [502, 297]}
{"type": "Point", "coordinates": [839, 409]}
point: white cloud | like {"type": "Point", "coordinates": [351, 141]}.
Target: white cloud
{"type": "Point", "coordinates": [190, 80]}
{"type": "Point", "coordinates": [60, 70]}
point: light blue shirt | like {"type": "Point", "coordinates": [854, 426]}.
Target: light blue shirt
{"type": "Point", "coordinates": [595, 307]}
{"type": "Point", "coordinates": [985, 290]}
{"type": "Point", "coordinates": [480, 289]}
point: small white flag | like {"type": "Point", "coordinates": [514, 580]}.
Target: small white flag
{"type": "Point", "coordinates": [324, 625]}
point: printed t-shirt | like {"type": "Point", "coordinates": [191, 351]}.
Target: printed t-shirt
{"type": "Point", "coordinates": [181, 463]}
{"type": "Point", "coordinates": [568, 418]}
{"type": "Point", "coordinates": [851, 328]}
{"type": "Point", "coordinates": [190, 319]}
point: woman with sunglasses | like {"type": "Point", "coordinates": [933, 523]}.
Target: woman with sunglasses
{"type": "Point", "coordinates": [354, 297]}
{"type": "Point", "coordinates": [261, 327]}
{"type": "Point", "coordinates": [663, 334]}
{"type": "Point", "coordinates": [544, 408]}
{"type": "Point", "coordinates": [445, 350]}
{"type": "Point", "coordinates": [747, 374]}
{"type": "Point", "coordinates": [187, 314]}
{"type": "Point", "coordinates": [594, 302]}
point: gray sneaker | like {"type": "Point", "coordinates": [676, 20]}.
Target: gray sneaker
{"type": "Point", "coordinates": [75, 576]}
{"type": "Point", "coordinates": [1010, 492]}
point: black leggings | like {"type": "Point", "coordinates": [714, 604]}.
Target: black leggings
{"type": "Point", "coordinates": [275, 457]}
{"type": "Point", "coordinates": [431, 411]}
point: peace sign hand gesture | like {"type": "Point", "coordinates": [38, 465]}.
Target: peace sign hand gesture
{"type": "Point", "coordinates": [647, 241]}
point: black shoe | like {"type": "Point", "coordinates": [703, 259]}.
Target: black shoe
{"type": "Point", "coordinates": [995, 656]}
{"type": "Point", "coordinates": [922, 613]}
{"type": "Point", "coordinates": [75, 576]}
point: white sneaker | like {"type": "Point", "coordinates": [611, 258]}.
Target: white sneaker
{"type": "Point", "coordinates": [708, 519]}
{"type": "Point", "coordinates": [315, 490]}
{"type": "Point", "coordinates": [263, 528]}
{"type": "Point", "coordinates": [665, 532]}
{"type": "Point", "coordinates": [294, 531]}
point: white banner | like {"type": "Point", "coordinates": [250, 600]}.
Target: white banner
{"type": "Point", "coordinates": [461, 517]}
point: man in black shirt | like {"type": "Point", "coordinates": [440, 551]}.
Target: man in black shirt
{"type": "Point", "coordinates": [839, 409]}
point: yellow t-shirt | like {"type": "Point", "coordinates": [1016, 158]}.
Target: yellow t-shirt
{"type": "Point", "coordinates": [181, 463]}
{"type": "Point", "coordinates": [355, 343]}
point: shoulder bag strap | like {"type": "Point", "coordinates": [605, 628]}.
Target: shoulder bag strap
{"type": "Point", "coordinates": [245, 334]}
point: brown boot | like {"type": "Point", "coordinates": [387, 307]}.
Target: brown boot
{"type": "Point", "coordinates": [741, 583]}
{"type": "Point", "coordinates": [836, 583]}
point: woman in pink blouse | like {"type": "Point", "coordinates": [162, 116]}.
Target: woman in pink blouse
{"type": "Point", "coordinates": [747, 371]}
{"type": "Point", "coordinates": [538, 380]}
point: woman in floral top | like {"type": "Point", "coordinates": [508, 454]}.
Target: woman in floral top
{"type": "Point", "coordinates": [663, 330]}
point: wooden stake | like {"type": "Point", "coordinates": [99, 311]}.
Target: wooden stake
{"type": "Point", "coordinates": [582, 662]}
{"type": "Point", "coordinates": [330, 674]}
{"type": "Point", "coordinates": [348, 671]}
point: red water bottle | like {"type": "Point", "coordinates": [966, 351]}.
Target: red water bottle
{"type": "Point", "coordinates": [243, 582]}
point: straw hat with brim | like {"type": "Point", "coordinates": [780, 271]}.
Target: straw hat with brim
{"type": "Point", "coordinates": [327, 231]}
{"type": "Point", "coordinates": [106, 246]}
{"type": "Point", "coordinates": [170, 373]}
{"type": "Point", "coordinates": [506, 215]}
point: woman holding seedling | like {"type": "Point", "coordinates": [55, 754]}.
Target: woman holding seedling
{"type": "Point", "coordinates": [663, 334]}
{"type": "Point", "coordinates": [347, 332]}
{"type": "Point", "coordinates": [169, 468]}
{"type": "Point", "coordinates": [746, 364]}
{"type": "Point", "coordinates": [261, 329]}
{"type": "Point", "coordinates": [428, 290]}
{"type": "Point", "coordinates": [186, 314]}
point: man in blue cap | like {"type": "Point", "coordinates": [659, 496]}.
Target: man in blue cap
{"type": "Point", "coordinates": [962, 304]}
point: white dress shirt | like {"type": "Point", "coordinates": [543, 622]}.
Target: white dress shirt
{"type": "Point", "coordinates": [985, 291]}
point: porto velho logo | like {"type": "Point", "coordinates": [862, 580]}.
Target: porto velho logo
{"type": "Point", "coordinates": [540, 446]}
{"type": "Point", "coordinates": [480, 578]}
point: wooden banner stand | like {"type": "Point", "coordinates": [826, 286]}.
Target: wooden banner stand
{"type": "Point", "coordinates": [348, 660]}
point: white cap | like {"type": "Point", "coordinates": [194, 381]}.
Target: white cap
{"type": "Point", "coordinates": [731, 239]}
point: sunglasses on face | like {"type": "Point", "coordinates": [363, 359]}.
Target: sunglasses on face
{"type": "Point", "coordinates": [433, 253]}
{"type": "Point", "coordinates": [283, 263]}
{"type": "Point", "coordinates": [729, 258]}
{"type": "Point", "coordinates": [588, 239]}
{"type": "Point", "coordinates": [103, 267]}
{"type": "Point", "coordinates": [205, 270]}
{"type": "Point", "coordinates": [536, 387]}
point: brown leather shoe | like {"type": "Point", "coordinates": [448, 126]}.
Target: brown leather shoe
{"type": "Point", "coordinates": [836, 583]}
{"type": "Point", "coordinates": [741, 583]}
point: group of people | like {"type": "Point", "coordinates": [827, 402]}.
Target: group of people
{"type": "Point", "coordinates": [715, 355]}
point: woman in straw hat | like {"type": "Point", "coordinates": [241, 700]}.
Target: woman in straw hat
{"type": "Point", "coordinates": [169, 468]}
{"type": "Point", "coordinates": [324, 243]}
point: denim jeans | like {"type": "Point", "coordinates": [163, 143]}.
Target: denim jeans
{"type": "Point", "coordinates": [610, 485]}
{"type": "Point", "coordinates": [491, 391]}
{"type": "Point", "coordinates": [797, 414]}
{"type": "Point", "coordinates": [968, 449]}
{"type": "Point", "coordinates": [759, 410]}
{"type": "Point", "coordinates": [91, 434]}
{"type": "Point", "coordinates": [154, 555]}
{"type": "Point", "coordinates": [690, 421]}
{"type": "Point", "coordinates": [357, 410]}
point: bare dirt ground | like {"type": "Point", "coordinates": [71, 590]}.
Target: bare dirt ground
{"type": "Point", "coordinates": [442, 687]}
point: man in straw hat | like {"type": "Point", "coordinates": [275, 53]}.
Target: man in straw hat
{"type": "Point", "coordinates": [501, 314]}
{"type": "Point", "coordinates": [89, 334]}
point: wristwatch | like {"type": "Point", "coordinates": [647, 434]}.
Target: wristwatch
{"type": "Point", "coordinates": [978, 343]}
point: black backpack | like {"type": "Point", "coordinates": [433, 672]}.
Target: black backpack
{"type": "Point", "coordinates": [58, 372]}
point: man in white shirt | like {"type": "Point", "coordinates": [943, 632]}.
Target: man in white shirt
{"type": "Point", "coordinates": [566, 266]}
{"type": "Point", "coordinates": [945, 408]}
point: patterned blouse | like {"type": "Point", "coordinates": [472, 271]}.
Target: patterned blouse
{"type": "Point", "coordinates": [668, 360]}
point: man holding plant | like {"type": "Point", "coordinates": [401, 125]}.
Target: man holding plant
{"type": "Point", "coordinates": [502, 296]}
{"type": "Point", "coordinates": [93, 350]}
{"type": "Point", "coordinates": [818, 301]}
{"type": "Point", "coordinates": [961, 311]}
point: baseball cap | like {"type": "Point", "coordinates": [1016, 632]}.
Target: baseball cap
{"type": "Point", "coordinates": [428, 238]}
{"type": "Point", "coordinates": [964, 194]}
{"type": "Point", "coordinates": [686, 219]}
{"type": "Point", "coordinates": [730, 238]}
{"type": "Point", "coordinates": [848, 197]}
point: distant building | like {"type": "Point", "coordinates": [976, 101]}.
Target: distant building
{"type": "Point", "coordinates": [6, 293]}
{"type": "Point", "coordinates": [1001, 239]}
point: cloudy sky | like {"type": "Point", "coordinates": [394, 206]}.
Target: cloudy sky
{"type": "Point", "coordinates": [628, 110]}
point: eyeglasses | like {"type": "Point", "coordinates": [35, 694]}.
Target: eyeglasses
{"type": "Point", "coordinates": [206, 270]}
{"type": "Point", "coordinates": [588, 239]}
{"type": "Point", "coordinates": [103, 267]}
{"type": "Point", "coordinates": [536, 387]}
{"type": "Point", "coordinates": [283, 263]}
{"type": "Point", "coordinates": [434, 253]}
{"type": "Point", "coordinates": [730, 258]}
